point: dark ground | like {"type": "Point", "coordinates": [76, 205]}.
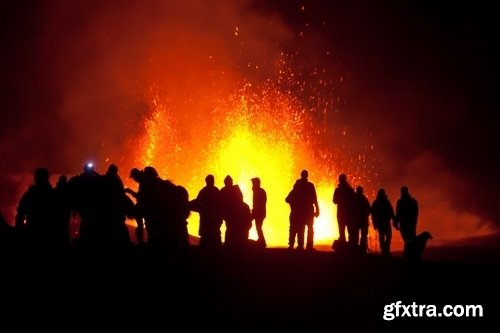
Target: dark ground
{"type": "Point", "coordinates": [259, 291]}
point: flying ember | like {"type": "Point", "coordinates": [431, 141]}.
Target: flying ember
{"type": "Point", "coordinates": [255, 132]}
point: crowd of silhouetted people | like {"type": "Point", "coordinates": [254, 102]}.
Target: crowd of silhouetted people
{"type": "Point", "coordinates": [354, 210]}
{"type": "Point", "coordinates": [102, 205]}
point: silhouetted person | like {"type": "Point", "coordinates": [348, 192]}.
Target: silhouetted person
{"type": "Point", "coordinates": [207, 204]}
{"type": "Point", "coordinates": [244, 218]}
{"type": "Point", "coordinates": [343, 197]}
{"type": "Point", "coordinates": [307, 207]}
{"type": "Point", "coordinates": [297, 225]}
{"type": "Point", "coordinates": [236, 214]}
{"type": "Point", "coordinates": [259, 210]}
{"type": "Point", "coordinates": [88, 201]}
{"type": "Point", "coordinates": [406, 217]}
{"type": "Point", "coordinates": [119, 208]}
{"type": "Point", "coordinates": [360, 225]}
{"type": "Point", "coordinates": [35, 211]}
{"type": "Point", "coordinates": [150, 204]}
{"type": "Point", "coordinates": [382, 213]}
{"type": "Point", "coordinates": [114, 178]}
{"type": "Point", "coordinates": [165, 207]}
{"type": "Point", "coordinates": [179, 214]}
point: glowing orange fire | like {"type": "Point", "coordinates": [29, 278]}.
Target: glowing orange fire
{"type": "Point", "coordinates": [249, 134]}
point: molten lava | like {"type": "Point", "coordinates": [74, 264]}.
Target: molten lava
{"type": "Point", "coordinates": [261, 134]}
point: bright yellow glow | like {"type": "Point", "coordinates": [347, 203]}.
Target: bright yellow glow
{"type": "Point", "coordinates": [245, 156]}
{"type": "Point", "coordinates": [247, 137]}
{"type": "Point", "coordinates": [325, 226]}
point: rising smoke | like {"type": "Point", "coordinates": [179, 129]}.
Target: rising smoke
{"type": "Point", "coordinates": [80, 77]}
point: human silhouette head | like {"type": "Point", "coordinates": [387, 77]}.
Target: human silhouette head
{"type": "Point", "coordinates": [135, 174]}
{"type": "Point", "coordinates": [304, 174]}
{"type": "Point", "coordinates": [41, 176]}
{"type": "Point", "coordinates": [342, 178]}
{"type": "Point", "coordinates": [112, 169]}
{"type": "Point", "coordinates": [210, 180]}
{"type": "Point", "coordinates": [228, 181]}
{"type": "Point", "coordinates": [62, 180]}
{"type": "Point", "coordinates": [404, 191]}
{"type": "Point", "coordinates": [256, 181]}
{"type": "Point", "coordinates": [381, 193]}
{"type": "Point", "coordinates": [150, 172]}
{"type": "Point", "coordinates": [359, 190]}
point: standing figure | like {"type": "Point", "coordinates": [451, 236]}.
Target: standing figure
{"type": "Point", "coordinates": [297, 227]}
{"type": "Point", "coordinates": [259, 209]}
{"type": "Point", "coordinates": [207, 204]}
{"type": "Point", "coordinates": [236, 214]}
{"type": "Point", "coordinates": [382, 213]}
{"type": "Point", "coordinates": [361, 214]}
{"type": "Point", "coordinates": [406, 217]}
{"type": "Point", "coordinates": [89, 202]}
{"type": "Point", "coordinates": [307, 206]}
{"type": "Point", "coordinates": [35, 212]}
{"type": "Point", "coordinates": [343, 197]}
{"type": "Point", "coordinates": [120, 207]}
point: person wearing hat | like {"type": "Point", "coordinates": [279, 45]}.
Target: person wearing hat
{"type": "Point", "coordinates": [259, 209]}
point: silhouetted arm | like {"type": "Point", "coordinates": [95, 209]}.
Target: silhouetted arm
{"type": "Point", "coordinates": [131, 192]}
{"type": "Point", "coordinates": [316, 205]}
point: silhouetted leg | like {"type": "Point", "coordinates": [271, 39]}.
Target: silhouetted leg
{"type": "Point", "coordinates": [300, 235]}
{"type": "Point", "coordinates": [388, 239]}
{"type": "Point", "coordinates": [406, 249]}
{"type": "Point", "coordinates": [408, 234]}
{"type": "Point", "coordinates": [353, 235]}
{"type": "Point", "coordinates": [385, 241]}
{"type": "Point", "coordinates": [363, 243]}
{"type": "Point", "coordinates": [260, 232]}
{"type": "Point", "coordinates": [342, 226]}
{"type": "Point", "coordinates": [292, 232]}
{"type": "Point", "coordinates": [310, 233]}
{"type": "Point", "coordinates": [381, 241]}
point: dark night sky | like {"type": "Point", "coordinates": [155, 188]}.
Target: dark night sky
{"type": "Point", "coordinates": [422, 76]}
